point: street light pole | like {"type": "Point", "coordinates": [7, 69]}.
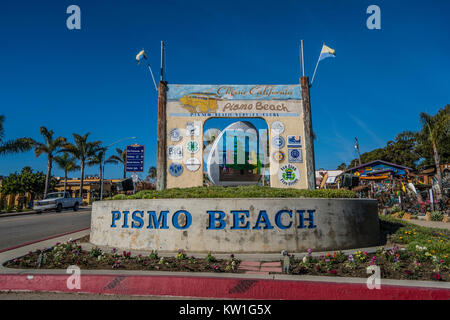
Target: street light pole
{"type": "Point", "coordinates": [103, 164]}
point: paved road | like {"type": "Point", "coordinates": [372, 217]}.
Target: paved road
{"type": "Point", "coordinates": [16, 230]}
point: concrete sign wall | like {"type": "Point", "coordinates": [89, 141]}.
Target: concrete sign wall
{"type": "Point", "coordinates": [235, 225]}
{"type": "Point", "coordinates": [189, 106]}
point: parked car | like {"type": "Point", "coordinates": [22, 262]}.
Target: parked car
{"type": "Point", "coordinates": [57, 201]}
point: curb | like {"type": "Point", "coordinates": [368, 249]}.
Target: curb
{"type": "Point", "coordinates": [210, 285]}
{"type": "Point", "coordinates": [13, 214]}
{"type": "Point", "coordinates": [219, 288]}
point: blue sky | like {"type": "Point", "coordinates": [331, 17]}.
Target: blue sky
{"type": "Point", "coordinates": [87, 80]}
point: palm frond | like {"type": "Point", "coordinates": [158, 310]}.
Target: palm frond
{"type": "Point", "coordinates": [16, 146]}
{"type": "Point", "coordinates": [114, 159]}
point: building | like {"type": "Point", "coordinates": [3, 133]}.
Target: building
{"type": "Point", "coordinates": [91, 188]}
{"type": "Point", "coordinates": [379, 170]}
{"type": "Point", "coordinates": [327, 178]}
{"type": "Point", "coordinates": [428, 175]}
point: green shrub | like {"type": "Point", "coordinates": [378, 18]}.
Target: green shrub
{"type": "Point", "coordinates": [237, 192]}
{"type": "Point", "coordinates": [95, 252]}
{"type": "Point", "coordinates": [436, 216]}
{"type": "Point", "coordinates": [210, 258]}
{"type": "Point", "coordinates": [154, 255]}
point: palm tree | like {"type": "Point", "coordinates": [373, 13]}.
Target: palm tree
{"type": "Point", "coordinates": [151, 173]}
{"type": "Point", "coordinates": [433, 129]}
{"type": "Point", "coordinates": [120, 157]}
{"type": "Point", "coordinates": [97, 159]}
{"type": "Point", "coordinates": [13, 146]}
{"type": "Point", "coordinates": [50, 147]}
{"type": "Point", "coordinates": [68, 164]}
{"type": "Point", "coordinates": [82, 150]}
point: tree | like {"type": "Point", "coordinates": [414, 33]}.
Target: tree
{"type": "Point", "coordinates": [13, 146]}
{"type": "Point", "coordinates": [342, 166]}
{"type": "Point", "coordinates": [436, 134]}
{"type": "Point", "coordinates": [82, 150]}
{"type": "Point", "coordinates": [68, 164]}
{"type": "Point", "coordinates": [26, 181]}
{"type": "Point", "coordinates": [368, 157]}
{"type": "Point", "coordinates": [151, 173]}
{"type": "Point", "coordinates": [50, 147]}
{"type": "Point", "coordinates": [97, 159]}
{"type": "Point", "coordinates": [401, 151]}
{"type": "Point", "coordinates": [120, 157]}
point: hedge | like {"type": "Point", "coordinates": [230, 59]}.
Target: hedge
{"type": "Point", "coordinates": [237, 192]}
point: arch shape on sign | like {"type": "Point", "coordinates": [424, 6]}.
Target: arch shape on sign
{"type": "Point", "coordinates": [237, 155]}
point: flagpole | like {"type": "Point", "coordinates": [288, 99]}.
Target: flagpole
{"type": "Point", "coordinates": [303, 59]}
{"type": "Point", "coordinates": [151, 72]}
{"type": "Point", "coordinates": [317, 64]}
{"type": "Point", "coordinates": [162, 61]}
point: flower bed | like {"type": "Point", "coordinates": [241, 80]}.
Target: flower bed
{"type": "Point", "coordinates": [63, 255]}
{"type": "Point", "coordinates": [415, 253]}
{"type": "Point", "coordinates": [395, 263]}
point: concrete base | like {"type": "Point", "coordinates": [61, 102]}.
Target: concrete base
{"type": "Point", "coordinates": [256, 225]}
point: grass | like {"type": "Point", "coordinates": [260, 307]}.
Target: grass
{"type": "Point", "coordinates": [437, 241]}
{"type": "Point", "coordinates": [237, 192]}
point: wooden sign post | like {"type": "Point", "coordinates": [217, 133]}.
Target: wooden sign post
{"type": "Point", "coordinates": [309, 135]}
{"type": "Point", "coordinates": [161, 159]}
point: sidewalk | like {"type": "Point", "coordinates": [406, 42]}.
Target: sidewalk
{"type": "Point", "coordinates": [30, 212]}
{"type": "Point", "coordinates": [430, 224]}
{"type": "Point", "coordinates": [209, 285]}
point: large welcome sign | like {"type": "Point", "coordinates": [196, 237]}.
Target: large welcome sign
{"type": "Point", "coordinates": [188, 107]}
{"type": "Point", "coordinates": [235, 225]}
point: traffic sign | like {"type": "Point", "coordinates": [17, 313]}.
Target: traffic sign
{"type": "Point", "coordinates": [135, 158]}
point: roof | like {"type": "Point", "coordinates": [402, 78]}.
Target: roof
{"type": "Point", "coordinates": [379, 161]}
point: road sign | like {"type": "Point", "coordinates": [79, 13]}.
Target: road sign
{"type": "Point", "coordinates": [135, 158]}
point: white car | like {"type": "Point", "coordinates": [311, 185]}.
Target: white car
{"type": "Point", "coordinates": [57, 201]}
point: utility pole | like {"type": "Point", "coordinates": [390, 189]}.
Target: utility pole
{"type": "Point", "coordinates": [357, 149]}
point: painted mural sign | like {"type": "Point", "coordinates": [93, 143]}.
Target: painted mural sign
{"type": "Point", "coordinates": [233, 100]}
{"type": "Point", "coordinates": [239, 153]}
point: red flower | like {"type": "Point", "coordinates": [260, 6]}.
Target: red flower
{"type": "Point", "coordinates": [333, 271]}
{"type": "Point", "coordinates": [408, 272]}
{"type": "Point", "coordinates": [437, 276]}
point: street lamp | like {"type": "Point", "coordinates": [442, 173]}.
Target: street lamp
{"type": "Point", "coordinates": [103, 163]}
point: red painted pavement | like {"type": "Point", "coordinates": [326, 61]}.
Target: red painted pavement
{"type": "Point", "coordinates": [219, 287]}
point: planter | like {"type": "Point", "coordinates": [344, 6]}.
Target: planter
{"type": "Point", "coordinates": [245, 225]}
